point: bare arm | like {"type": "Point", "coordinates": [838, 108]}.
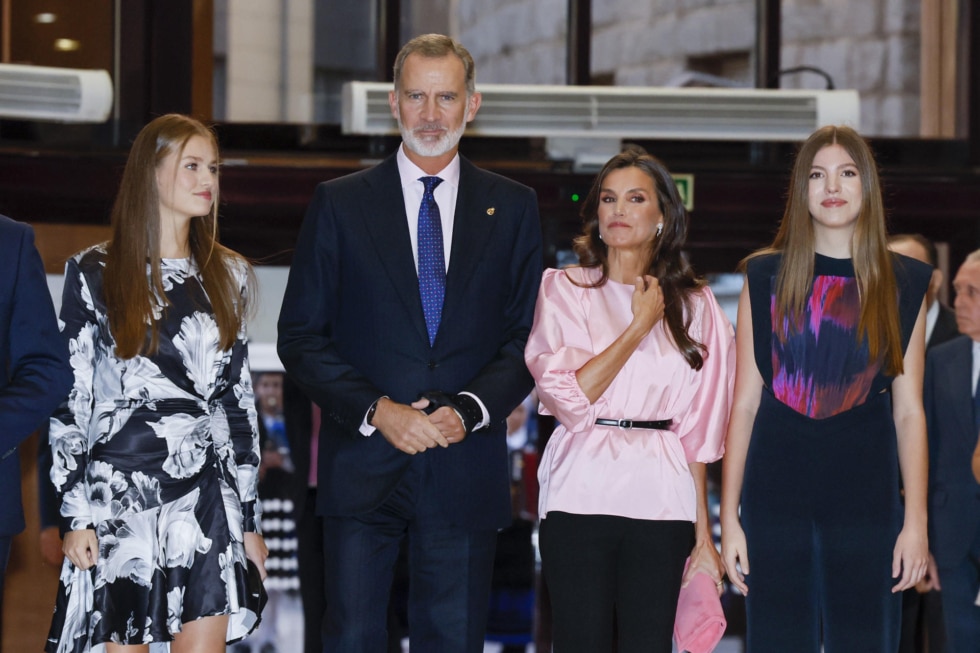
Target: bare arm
{"type": "Point", "coordinates": [704, 556]}
{"type": "Point", "coordinates": [648, 307]}
{"type": "Point", "coordinates": [745, 404]}
{"type": "Point", "coordinates": [911, 553]}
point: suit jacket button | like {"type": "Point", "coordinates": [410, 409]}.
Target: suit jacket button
{"type": "Point", "coordinates": [433, 365]}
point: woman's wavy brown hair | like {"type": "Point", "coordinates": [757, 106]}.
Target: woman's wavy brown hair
{"type": "Point", "coordinates": [135, 245]}
{"type": "Point", "coordinates": [667, 261]}
{"type": "Point", "coordinates": [879, 321]}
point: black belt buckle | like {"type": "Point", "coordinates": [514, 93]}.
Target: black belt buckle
{"type": "Point", "coordinates": [660, 424]}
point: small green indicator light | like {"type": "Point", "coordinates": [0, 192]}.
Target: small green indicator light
{"type": "Point", "coordinates": [574, 197]}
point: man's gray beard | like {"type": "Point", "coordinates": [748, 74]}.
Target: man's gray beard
{"type": "Point", "coordinates": [428, 148]}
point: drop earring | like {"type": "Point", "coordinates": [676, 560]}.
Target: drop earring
{"type": "Point", "coordinates": [660, 228]}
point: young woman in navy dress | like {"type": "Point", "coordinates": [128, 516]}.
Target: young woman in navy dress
{"type": "Point", "coordinates": [827, 411]}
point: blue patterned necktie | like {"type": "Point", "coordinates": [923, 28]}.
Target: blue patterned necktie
{"type": "Point", "coordinates": [432, 262]}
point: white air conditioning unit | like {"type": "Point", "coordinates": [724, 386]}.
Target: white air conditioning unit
{"type": "Point", "coordinates": [59, 94]}
{"type": "Point", "coordinates": [617, 112]}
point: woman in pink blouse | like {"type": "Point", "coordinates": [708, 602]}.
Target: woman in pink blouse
{"type": "Point", "coordinates": [633, 356]}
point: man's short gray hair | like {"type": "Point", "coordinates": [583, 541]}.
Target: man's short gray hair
{"type": "Point", "coordinates": [437, 45]}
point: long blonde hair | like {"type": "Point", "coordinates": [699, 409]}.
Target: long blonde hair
{"type": "Point", "coordinates": [879, 319]}
{"type": "Point", "coordinates": [130, 296]}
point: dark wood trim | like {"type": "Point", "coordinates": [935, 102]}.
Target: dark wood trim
{"type": "Point", "coordinates": [388, 37]}
{"type": "Point", "coordinates": [578, 48]}
{"type": "Point", "coordinates": [768, 39]}
{"type": "Point", "coordinates": [202, 60]}
{"type": "Point", "coordinates": [5, 31]}
{"type": "Point", "coordinates": [972, 37]}
{"type": "Point", "coordinates": [157, 61]}
{"type": "Point", "coordinates": [171, 41]}
{"type": "Point", "coordinates": [133, 83]}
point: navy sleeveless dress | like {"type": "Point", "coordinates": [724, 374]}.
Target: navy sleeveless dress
{"type": "Point", "coordinates": [820, 501]}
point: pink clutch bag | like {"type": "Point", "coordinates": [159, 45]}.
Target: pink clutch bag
{"type": "Point", "coordinates": [700, 620]}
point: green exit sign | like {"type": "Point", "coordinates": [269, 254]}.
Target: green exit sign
{"type": "Point", "coordinates": [685, 186]}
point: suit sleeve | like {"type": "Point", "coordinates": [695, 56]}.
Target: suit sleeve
{"type": "Point", "coordinates": [306, 321]}
{"type": "Point", "coordinates": [505, 381]}
{"type": "Point", "coordinates": [37, 372]}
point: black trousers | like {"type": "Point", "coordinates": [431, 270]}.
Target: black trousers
{"type": "Point", "coordinates": [613, 577]}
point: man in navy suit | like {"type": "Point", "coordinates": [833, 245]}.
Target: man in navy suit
{"type": "Point", "coordinates": [953, 417]}
{"type": "Point", "coordinates": [34, 371]}
{"type": "Point", "coordinates": [405, 316]}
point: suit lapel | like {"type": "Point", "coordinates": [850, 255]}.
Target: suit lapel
{"type": "Point", "coordinates": [388, 225]}
{"type": "Point", "coordinates": [473, 227]}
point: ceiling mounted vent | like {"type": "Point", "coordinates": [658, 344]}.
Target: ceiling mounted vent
{"type": "Point", "coordinates": [58, 94]}
{"type": "Point", "coordinates": [617, 112]}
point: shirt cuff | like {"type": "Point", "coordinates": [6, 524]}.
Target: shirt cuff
{"type": "Point", "coordinates": [366, 429]}
{"type": "Point", "coordinates": [485, 419]}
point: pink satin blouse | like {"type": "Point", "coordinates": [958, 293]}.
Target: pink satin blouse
{"type": "Point", "coordinates": [608, 470]}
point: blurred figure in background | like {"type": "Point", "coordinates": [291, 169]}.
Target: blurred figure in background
{"type": "Point", "coordinates": [951, 394]}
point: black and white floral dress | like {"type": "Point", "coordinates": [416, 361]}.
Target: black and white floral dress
{"type": "Point", "coordinates": [159, 455]}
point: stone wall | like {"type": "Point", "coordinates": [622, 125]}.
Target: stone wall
{"type": "Point", "coordinates": [868, 45]}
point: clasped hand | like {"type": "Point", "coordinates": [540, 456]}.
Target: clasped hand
{"type": "Point", "coordinates": [409, 429]}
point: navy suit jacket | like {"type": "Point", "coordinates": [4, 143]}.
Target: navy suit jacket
{"type": "Point", "coordinates": [954, 495]}
{"type": "Point", "coordinates": [945, 328]}
{"type": "Point", "coordinates": [352, 330]}
{"type": "Point", "coordinates": [34, 371]}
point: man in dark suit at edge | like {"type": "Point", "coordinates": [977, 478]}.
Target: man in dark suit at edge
{"type": "Point", "coordinates": [34, 371]}
{"type": "Point", "coordinates": [951, 396]}
{"type": "Point", "coordinates": [922, 608]}
{"type": "Point", "coordinates": [405, 316]}
{"type": "Point", "coordinates": [940, 319]}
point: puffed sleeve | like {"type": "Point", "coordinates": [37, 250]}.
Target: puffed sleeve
{"type": "Point", "coordinates": [560, 344]}
{"type": "Point", "coordinates": [80, 327]}
{"type": "Point", "coordinates": [239, 405]}
{"type": "Point", "coordinates": [702, 427]}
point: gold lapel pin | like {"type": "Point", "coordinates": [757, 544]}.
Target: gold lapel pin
{"type": "Point", "coordinates": [491, 210]}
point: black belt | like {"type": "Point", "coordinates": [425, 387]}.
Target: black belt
{"type": "Point", "coordinates": [658, 425]}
